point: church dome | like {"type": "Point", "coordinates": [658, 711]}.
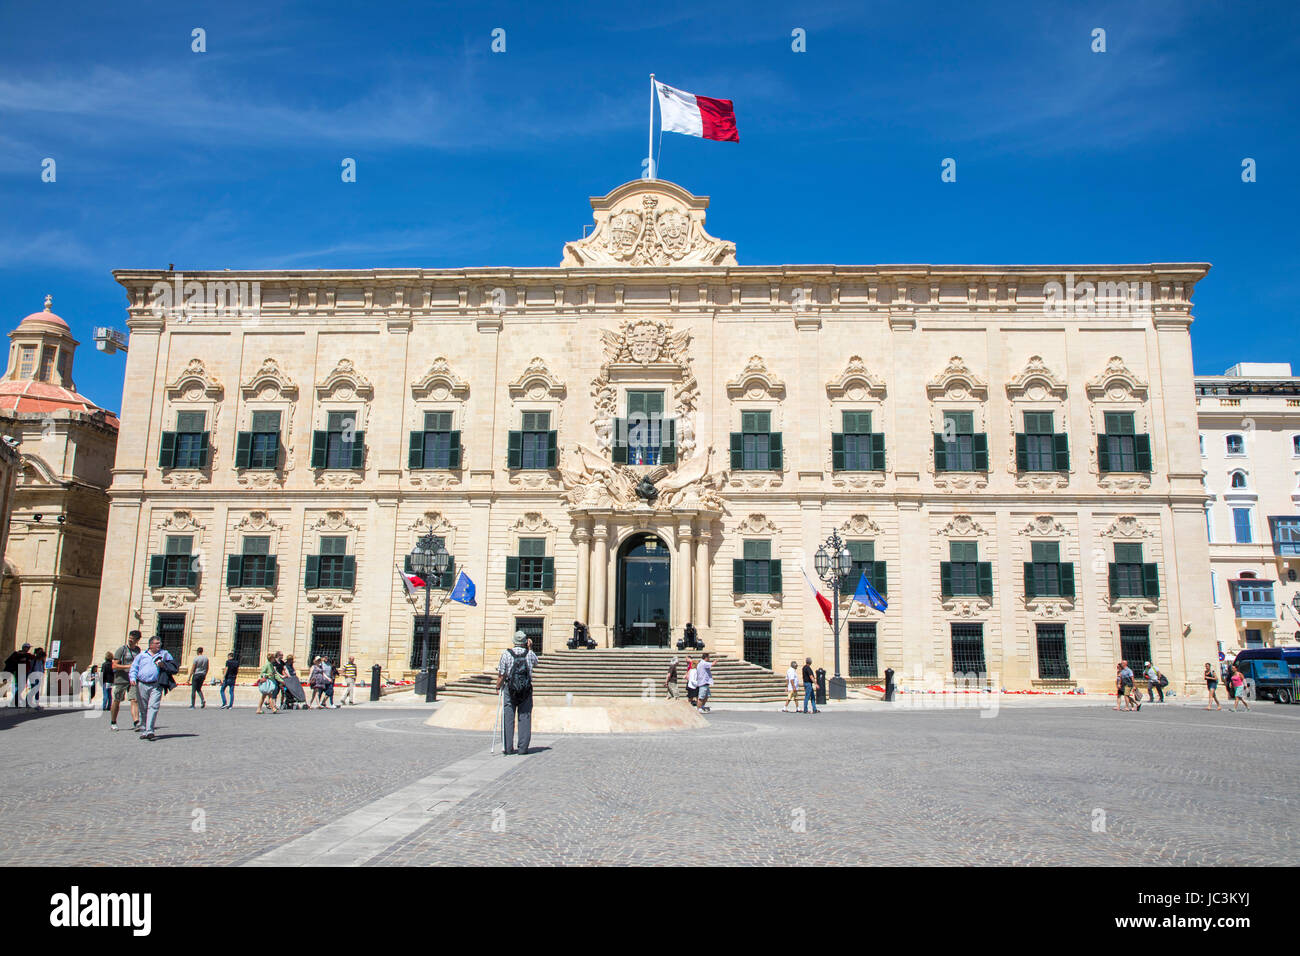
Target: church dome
{"type": "Point", "coordinates": [45, 321]}
{"type": "Point", "coordinates": [25, 395]}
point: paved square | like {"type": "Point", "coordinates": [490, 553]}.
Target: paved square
{"type": "Point", "coordinates": [1042, 785]}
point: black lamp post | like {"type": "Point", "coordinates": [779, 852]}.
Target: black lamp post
{"type": "Point", "coordinates": [832, 562]}
{"type": "Point", "coordinates": [428, 559]}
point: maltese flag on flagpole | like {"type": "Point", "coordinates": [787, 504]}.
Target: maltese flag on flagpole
{"type": "Point", "coordinates": [823, 602]}
{"type": "Point", "coordinates": [682, 112]}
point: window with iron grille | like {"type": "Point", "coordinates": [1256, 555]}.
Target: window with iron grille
{"type": "Point", "coordinates": [433, 644]}
{"type": "Point", "coordinates": [326, 637]}
{"type": "Point", "coordinates": [968, 650]}
{"type": "Point", "coordinates": [532, 628]}
{"type": "Point", "coordinates": [437, 446]}
{"type": "Point", "coordinates": [1053, 663]}
{"type": "Point", "coordinates": [857, 447]}
{"type": "Point", "coordinates": [191, 440]}
{"type": "Point", "coordinates": [178, 561]}
{"type": "Point", "coordinates": [756, 572]}
{"type": "Point", "coordinates": [1134, 644]}
{"type": "Point", "coordinates": [248, 639]}
{"type": "Point", "coordinates": [171, 628]}
{"type": "Point", "coordinates": [862, 649]}
{"type": "Point", "coordinates": [756, 447]}
{"type": "Point", "coordinates": [758, 643]}
{"type": "Point", "coordinates": [1121, 448]}
{"type": "Point", "coordinates": [535, 440]}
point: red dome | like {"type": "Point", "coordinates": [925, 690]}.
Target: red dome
{"type": "Point", "coordinates": [48, 318]}
{"type": "Point", "coordinates": [23, 395]}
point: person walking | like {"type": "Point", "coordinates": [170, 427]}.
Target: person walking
{"type": "Point", "coordinates": [1212, 687]}
{"type": "Point", "coordinates": [1237, 680]}
{"type": "Point", "coordinates": [122, 686]}
{"type": "Point", "coordinates": [1127, 684]}
{"type": "Point", "coordinates": [35, 677]}
{"type": "Point", "coordinates": [228, 680]}
{"type": "Point", "coordinates": [106, 680]}
{"type": "Point", "coordinates": [198, 674]}
{"type": "Point", "coordinates": [671, 682]}
{"type": "Point", "coordinates": [16, 667]}
{"type": "Point", "coordinates": [89, 678]}
{"type": "Point", "coordinates": [314, 682]}
{"type": "Point", "coordinates": [692, 688]}
{"type": "Point", "coordinates": [704, 680]}
{"type": "Point", "coordinates": [349, 681]}
{"type": "Point", "coordinates": [329, 672]}
{"type": "Point", "coordinates": [269, 682]}
{"type": "Point", "coordinates": [809, 686]}
{"type": "Point", "coordinates": [1155, 682]}
{"type": "Point", "coordinates": [148, 676]}
{"type": "Point", "coordinates": [791, 705]}
{"type": "Point", "coordinates": [515, 685]}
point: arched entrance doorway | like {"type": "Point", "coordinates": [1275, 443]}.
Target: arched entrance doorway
{"type": "Point", "coordinates": [643, 609]}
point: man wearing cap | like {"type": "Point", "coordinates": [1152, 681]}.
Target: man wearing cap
{"type": "Point", "coordinates": [1153, 682]}
{"type": "Point", "coordinates": [123, 687]}
{"type": "Point", "coordinates": [17, 666]}
{"type": "Point", "coordinates": [515, 685]}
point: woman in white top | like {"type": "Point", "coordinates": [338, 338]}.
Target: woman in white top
{"type": "Point", "coordinates": [692, 688]}
{"type": "Point", "coordinates": [791, 689]}
{"type": "Point", "coordinates": [88, 681]}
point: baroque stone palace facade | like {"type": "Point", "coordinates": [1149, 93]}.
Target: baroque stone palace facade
{"type": "Point", "coordinates": [650, 434]}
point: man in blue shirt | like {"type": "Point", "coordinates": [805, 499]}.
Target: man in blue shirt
{"type": "Point", "coordinates": [147, 678]}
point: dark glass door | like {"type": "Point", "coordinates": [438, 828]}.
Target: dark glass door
{"type": "Point", "coordinates": [644, 575]}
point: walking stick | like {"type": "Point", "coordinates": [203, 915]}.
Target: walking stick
{"type": "Point", "coordinates": [496, 724]}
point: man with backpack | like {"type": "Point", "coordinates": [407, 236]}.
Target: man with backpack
{"type": "Point", "coordinates": [1156, 683]}
{"type": "Point", "coordinates": [515, 685]}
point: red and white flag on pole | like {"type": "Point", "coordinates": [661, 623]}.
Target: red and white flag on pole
{"type": "Point", "coordinates": [682, 112]}
{"type": "Point", "coordinates": [410, 581]}
{"type": "Point", "coordinates": [822, 600]}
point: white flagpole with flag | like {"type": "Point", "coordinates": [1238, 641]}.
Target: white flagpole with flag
{"type": "Point", "coordinates": [650, 145]}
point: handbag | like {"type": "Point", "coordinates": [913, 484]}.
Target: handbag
{"type": "Point", "coordinates": [266, 686]}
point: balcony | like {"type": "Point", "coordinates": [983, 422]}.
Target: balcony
{"type": "Point", "coordinates": [1286, 536]}
{"type": "Point", "coordinates": [1253, 600]}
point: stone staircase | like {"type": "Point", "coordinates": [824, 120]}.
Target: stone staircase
{"type": "Point", "coordinates": [624, 672]}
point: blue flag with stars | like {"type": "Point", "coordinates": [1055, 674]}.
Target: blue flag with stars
{"type": "Point", "coordinates": [866, 594]}
{"type": "Point", "coordinates": [463, 590]}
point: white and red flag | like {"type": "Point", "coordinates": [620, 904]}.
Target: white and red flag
{"type": "Point", "coordinates": [682, 112]}
{"type": "Point", "coordinates": [411, 582]}
{"type": "Point", "coordinates": [822, 600]}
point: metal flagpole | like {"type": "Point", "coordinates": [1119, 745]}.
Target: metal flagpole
{"type": "Point", "coordinates": [650, 138]}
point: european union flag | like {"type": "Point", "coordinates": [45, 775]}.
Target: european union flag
{"type": "Point", "coordinates": [866, 594]}
{"type": "Point", "coordinates": [463, 590]}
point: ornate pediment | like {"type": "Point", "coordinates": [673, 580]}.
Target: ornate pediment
{"type": "Point", "coordinates": [860, 526]}
{"type": "Point", "coordinates": [1044, 526]}
{"type": "Point", "coordinates": [645, 342]}
{"type": "Point", "coordinates": [334, 521]}
{"type": "Point", "coordinates": [269, 382]}
{"type": "Point", "coordinates": [856, 382]}
{"type": "Point", "coordinates": [756, 380]}
{"type": "Point", "coordinates": [256, 521]}
{"type": "Point", "coordinates": [963, 526]}
{"type": "Point", "coordinates": [649, 223]}
{"type": "Point", "coordinates": [195, 384]}
{"type": "Point", "coordinates": [1127, 526]}
{"type": "Point", "coordinates": [537, 382]}
{"type": "Point", "coordinates": [345, 382]}
{"type": "Point", "coordinates": [957, 382]}
{"type": "Point", "coordinates": [431, 522]}
{"type": "Point", "coordinates": [181, 521]}
{"type": "Point", "coordinates": [440, 383]}
{"type": "Point", "coordinates": [36, 471]}
{"type": "Point", "coordinates": [1036, 383]}
{"type": "Point", "coordinates": [638, 350]}
{"type": "Point", "coordinates": [532, 522]}
{"type": "Point", "coordinates": [757, 524]}
{"type": "Point", "coordinates": [1117, 383]}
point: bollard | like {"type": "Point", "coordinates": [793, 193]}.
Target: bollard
{"type": "Point", "coordinates": [821, 686]}
{"type": "Point", "coordinates": [374, 681]}
{"type": "Point", "coordinates": [889, 683]}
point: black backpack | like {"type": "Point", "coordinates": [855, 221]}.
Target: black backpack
{"type": "Point", "coordinates": [520, 679]}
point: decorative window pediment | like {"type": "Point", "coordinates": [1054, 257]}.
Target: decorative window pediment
{"type": "Point", "coordinates": [431, 522]}
{"type": "Point", "coordinates": [756, 380]}
{"type": "Point", "coordinates": [195, 384]}
{"type": "Point", "coordinates": [440, 383]}
{"type": "Point", "coordinates": [1127, 526]}
{"type": "Point", "coordinates": [1044, 526]}
{"type": "Point", "coordinates": [957, 383]}
{"type": "Point", "coordinates": [757, 524]}
{"type": "Point", "coordinates": [537, 382]}
{"type": "Point", "coordinates": [1117, 383]}
{"type": "Point", "coordinates": [963, 526]}
{"type": "Point", "coordinates": [1036, 383]}
{"type": "Point", "coordinates": [860, 526]}
{"type": "Point", "coordinates": [334, 522]}
{"type": "Point", "coordinates": [345, 383]}
{"type": "Point", "coordinates": [269, 383]}
{"type": "Point", "coordinates": [856, 383]}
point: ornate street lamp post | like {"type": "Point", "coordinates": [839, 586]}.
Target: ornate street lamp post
{"type": "Point", "coordinates": [428, 559]}
{"type": "Point", "coordinates": [833, 561]}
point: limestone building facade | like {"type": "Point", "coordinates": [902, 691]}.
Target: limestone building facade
{"type": "Point", "coordinates": [651, 434]}
{"type": "Point", "coordinates": [1249, 421]}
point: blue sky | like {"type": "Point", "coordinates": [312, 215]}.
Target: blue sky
{"type": "Point", "coordinates": [231, 158]}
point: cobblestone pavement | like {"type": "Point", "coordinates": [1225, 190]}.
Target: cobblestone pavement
{"type": "Point", "coordinates": [1054, 785]}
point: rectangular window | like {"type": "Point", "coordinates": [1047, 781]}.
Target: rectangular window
{"type": "Point", "coordinates": [959, 447]}
{"type": "Point", "coordinates": [645, 411]}
{"type": "Point", "coordinates": [1121, 447]}
{"type": "Point", "coordinates": [433, 644]}
{"type": "Point", "coordinates": [968, 651]}
{"type": "Point", "coordinates": [1241, 525]}
{"type": "Point", "coordinates": [171, 628]}
{"type": "Point", "coordinates": [440, 444]}
{"type": "Point", "coordinates": [756, 432]}
{"type": "Point", "coordinates": [63, 366]}
{"type": "Point", "coordinates": [535, 440]}
{"type": "Point", "coordinates": [964, 565]}
{"type": "Point", "coordinates": [532, 559]}
{"type": "Point", "coordinates": [857, 447]}
{"type": "Point", "coordinates": [191, 440]}
{"type": "Point", "coordinates": [533, 630]}
{"type": "Point", "coordinates": [178, 561]}
{"type": "Point", "coordinates": [257, 569]}
{"type": "Point", "coordinates": [862, 649]}
{"type": "Point", "coordinates": [1053, 664]}
{"type": "Point", "coordinates": [758, 643]}
{"type": "Point", "coordinates": [758, 556]}
{"type": "Point", "coordinates": [340, 437]}
{"type": "Point", "coordinates": [1134, 645]}
{"type": "Point", "coordinates": [248, 640]}
{"type": "Point", "coordinates": [264, 440]}
{"type": "Point", "coordinates": [1040, 443]}
{"type": "Point", "coordinates": [47, 363]}
{"type": "Point", "coordinates": [326, 638]}
{"type": "Point", "coordinates": [27, 363]}
{"type": "Point", "coordinates": [334, 562]}
{"type": "Point", "coordinates": [1044, 576]}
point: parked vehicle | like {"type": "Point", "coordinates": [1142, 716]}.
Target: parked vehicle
{"type": "Point", "coordinates": [1273, 671]}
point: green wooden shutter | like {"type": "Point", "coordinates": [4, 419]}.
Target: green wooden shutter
{"type": "Point", "coordinates": [515, 450]}
{"type": "Point", "coordinates": [272, 572]}
{"type": "Point", "coordinates": [945, 578]}
{"type": "Point", "coordinates": [1065, 575]}
{"type": "Point", "coordinates": [1061, 452]}
{"type": "Point", "coordinates": [358, 449]}
{"type": "Point", "coordinates": [552, 448]}
{"type": "Point", "coordinates": [880, 577]}
{"type": "Point", "coordinates": [349, 571]}
{"type": "Point", "coordinates": [406, 564]}
{"type": "Point", "coordinates": [157, 570]}
{"type": "Point", "coordinates": [1151, 581]}
{"type": "Point", "coordinates": [311, 580]}
{"type": "Point", "coordinates": [1113, 580]}
{"type": "Point", "coordinates": [837, 451]}
{"type": "Point", "coordinates": [774, 577]}
{"type": "Point", "coordinates": [1030, 591]}
{"type": "Point", "coordinates": [415, 451]}
{"type": "Point", "coordinates": [1142, 446]}
{"type": "Point", "coordinates": [774, 454]}
{"type": "Point", "coordinates": [548, 574]}
{"type": "Point", "coordinates": [203, 450]}
{"type": "Point", "coordinates": [737, 451]}
{"type": "Point", "coordinates": [738, 575]}
{"type": "Point", "coordinates": [940, 453]}
{"type": "Point", "coordinates": [980, 444]}
{"type": "Point", "coordinates": [1022, 452]}
{"type": "Point", "coordinates": [1103, 454]}
{"type": "Point", "coordinates": [877, 452]}
{"type": "Point", "coordinates": [512, 573]}
{"type": "Point", "coordinates": [243, 449]}
{"type": "Point", "coordinates": [668, 441]}
{"type": "Point", "coordinates": [319, 442]}
{"type": "Point", "coordinates": [234, 570]}
{"type": "Point", "coordinates": [449, 576]}
{"type": "Point", "coordinates": [453, 456]}
{"type": "Point", "coordinates": [191, 574]}
{"type": "Point", "coordinates": [618, 449]}
{"type": "Point", "coordinates": [167, 450]}
{"type": "Point", "coordinates": [984, 577]}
